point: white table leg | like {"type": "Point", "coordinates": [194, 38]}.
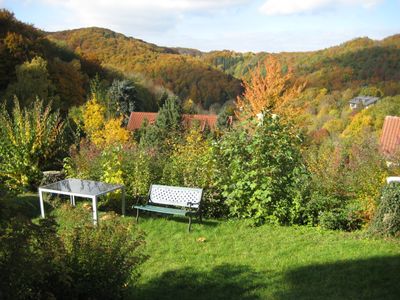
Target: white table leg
{"type": "Point", "coordinates": [41, 203]}
{"type": "Point", "coordinates": [72, 200]}
{"type": "Point", "coordinates": [123, 201]}
{"type": "Point", "coordinates": [94, 208]}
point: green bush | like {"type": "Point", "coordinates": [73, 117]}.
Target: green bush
{"type": "Point", "coordinates": [30, 140]}
{"type": "Point", "coordinates": [103, 260]}
{"type": "Point", "coordinates": [386, 221]}
{"type": "Point", "coordinates": [192, 164]}
{"type": "Point", "coordinates": [348, 218]}
{"type": "Point", "coordinates": [139, 171]}
{"type": "Point", "coordinates": [261, 173]}
{"type": "Point", "coordinates": [32, 260]}
{"type": "Point", "coordinates": [77, 261]}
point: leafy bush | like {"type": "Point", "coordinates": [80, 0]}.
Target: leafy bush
{"type": "Point", "coordinates": [84, 162]}
{"type": "Point", "coordinates": [192, 164]}
{"type": "Point", "coordinates": [30, 140]}
{"type": "Point", "coordinates": [139, 171]}
{"type": "Point", "coordinates": [387, 218]}
{"type": "Point", "coordinates": [103, 260]}
{"type": "Point", "coordinates": [348, 218]}
{"type": "Point", "coordinates": [32, 262]}
{"type": "Point", "coordinates": [78, 261]}
{"type": "Point", "coordinates": [261, 171]}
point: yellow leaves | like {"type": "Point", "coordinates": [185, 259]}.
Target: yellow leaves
{"type": "Point", "coordinates": [273, 92]}
{"type": "Point", "coordinates": [358, 125]}
{"type": "Point", "coordinates": [101, 132]}
{"type": "Point", "coordinates": [113, 132]}
{"type": "Point", "coordinates": [93, 117]}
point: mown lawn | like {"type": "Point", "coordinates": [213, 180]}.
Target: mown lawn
{"type": "Point", "coordinates": [236, 261]}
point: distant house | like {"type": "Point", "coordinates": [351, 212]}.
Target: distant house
{"type": "Point", "coordinates": [390, 138]}
{"type": "Point", "coordinates": [362, 102]}
{"type": "Point", "coordinates": [136, 120]}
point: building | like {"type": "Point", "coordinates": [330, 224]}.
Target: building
{"type": "Point", "coordinates": [390, 137]}
{"type": "Point", "coordinates": [137, 119]}
{"type": "Point", "coordinates": [362, 102]}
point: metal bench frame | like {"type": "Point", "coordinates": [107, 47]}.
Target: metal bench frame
{"type": "Point", "coordinates": [165, 199]}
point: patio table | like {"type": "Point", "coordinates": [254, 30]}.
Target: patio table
{"type": "Point", "coordinates": [81, 188]}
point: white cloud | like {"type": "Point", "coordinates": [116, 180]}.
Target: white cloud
{"type": "Point", "coordinates": [289, 7]}
{"type": "Point", "coordinates": [136, 16]}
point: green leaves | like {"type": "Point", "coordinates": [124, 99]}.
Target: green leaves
{"type": "Point", "coordinates": [30, 139]}
{"type": "Point", "coordinates": [259, 171]}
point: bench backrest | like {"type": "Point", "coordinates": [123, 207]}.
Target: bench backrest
{"type": "Point", "coordinates": [175, 195]}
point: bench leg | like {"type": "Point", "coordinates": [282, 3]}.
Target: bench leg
{"type": "Point", "coordinates": [201, 218]}
{"type": "Point", "coordinates": [190, 223]}
{"type": "Point", "coordinates": [137, 216]}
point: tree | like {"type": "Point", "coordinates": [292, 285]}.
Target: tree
{"type": "Point", "coordinates": [269, 88]}
{"type": "Point", "coordinates": [170, 115]}
{"type": "Point", "coordinates": [32, 82]}
{"type": "Point", "coordinates": [168, 122]}
{"type": "Point", "coordinates": [123, 98]}
{"type": "Point", "coordinates": [261, 172]}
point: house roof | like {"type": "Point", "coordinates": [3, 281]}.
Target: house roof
{"type": "Point", "coordinates": [365, 100]}
{"type": "Point", "coordinates": [136, 120]}
{"type": "Point", "coordinates": [390, 138]}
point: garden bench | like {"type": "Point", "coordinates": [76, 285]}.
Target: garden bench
{"type": "Point", "coordinates": [165, 200]}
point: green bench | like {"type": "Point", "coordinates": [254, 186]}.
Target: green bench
{"type": "Point", "coordinates": [173, 200]}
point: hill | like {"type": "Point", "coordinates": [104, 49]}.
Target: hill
{"type": "Point", "coordinates": [184, 74]}
{"type": "Point", "coordinates": [354, 63]}
{"type": "Point", "coordinates": [33, 66]}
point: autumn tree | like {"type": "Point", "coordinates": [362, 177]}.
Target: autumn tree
{"type": "Point", "coordinates": [32, 82]}
{"type": "Point", "coordinates": [269, 88]}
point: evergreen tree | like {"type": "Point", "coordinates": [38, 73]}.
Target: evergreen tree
{"type": "Point", "coordinates": [123, 97]}
{"type": "Point", "coordinates": [170, 115]}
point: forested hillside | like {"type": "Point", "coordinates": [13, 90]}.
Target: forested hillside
{"type": "Point", "coordinates": [358, 62]}
{"type": "Point", "coordinates": [31, 66]}
{"type": "Point", "coordinates": [185, 75]}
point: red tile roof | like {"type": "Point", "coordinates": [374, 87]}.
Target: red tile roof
{"type": "Point", "coordinates": [136, 120]}
{"type": "Point", "coordinates": [204, 120]}
{"type": "Point", "coordinates": [390, 138]}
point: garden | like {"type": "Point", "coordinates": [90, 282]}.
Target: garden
{"type": "Point", "coordinates": [285, 216]}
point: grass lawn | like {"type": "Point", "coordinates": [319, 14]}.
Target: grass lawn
{"type": "Point", "coordinates": [269, 262]}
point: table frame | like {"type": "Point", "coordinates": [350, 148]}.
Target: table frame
{"type": "Point", "coordinates": [73, 195]}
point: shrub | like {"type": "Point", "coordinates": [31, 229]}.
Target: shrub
{"type": "Point", "coordinates": [30, 140]}
{"type": "Point", "coordinates": [346, 218]}
{"type": "Point", "coordinates": [387, 218]}
{"type": "Point", "coordinates": [139, 170]}
{"type": "Point", "coordinates": [32, 262]}
{"type": "Point", "coordinates": [103, 260]}
{"type": "Point", "coordinates": [261, 171]}
{"type": "Point", "coordinates": [84, 162]}
{"type": "Point", "coordinates": [77, 261]}
{"type": "Point", "coordinates": [192, 164]}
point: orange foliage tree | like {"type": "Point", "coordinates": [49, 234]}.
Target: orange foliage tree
{"type": "Point", "coordinates": [273, 91]}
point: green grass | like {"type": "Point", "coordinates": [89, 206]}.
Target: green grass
{"type": "Point", "coordinates": [268, 262]}
{"type": "Point", "coordinates": [237, 261]}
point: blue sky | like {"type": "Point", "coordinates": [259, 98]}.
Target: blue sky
{"type": "Point", "coordinates": [240, 25]}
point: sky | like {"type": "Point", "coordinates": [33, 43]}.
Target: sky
{"type": "Point", "coordinates": [239, 25]}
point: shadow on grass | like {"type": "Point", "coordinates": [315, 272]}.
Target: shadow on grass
{"type": "Point", "coordinates": [178, 219]}
{"type": "Point", "coordinates": [374, 278]}
{"type": "Point", "coordinates": [222, 282]}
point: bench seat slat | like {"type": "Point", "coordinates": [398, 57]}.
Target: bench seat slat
{"type": "Point", "coordinates": [164, 210]}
